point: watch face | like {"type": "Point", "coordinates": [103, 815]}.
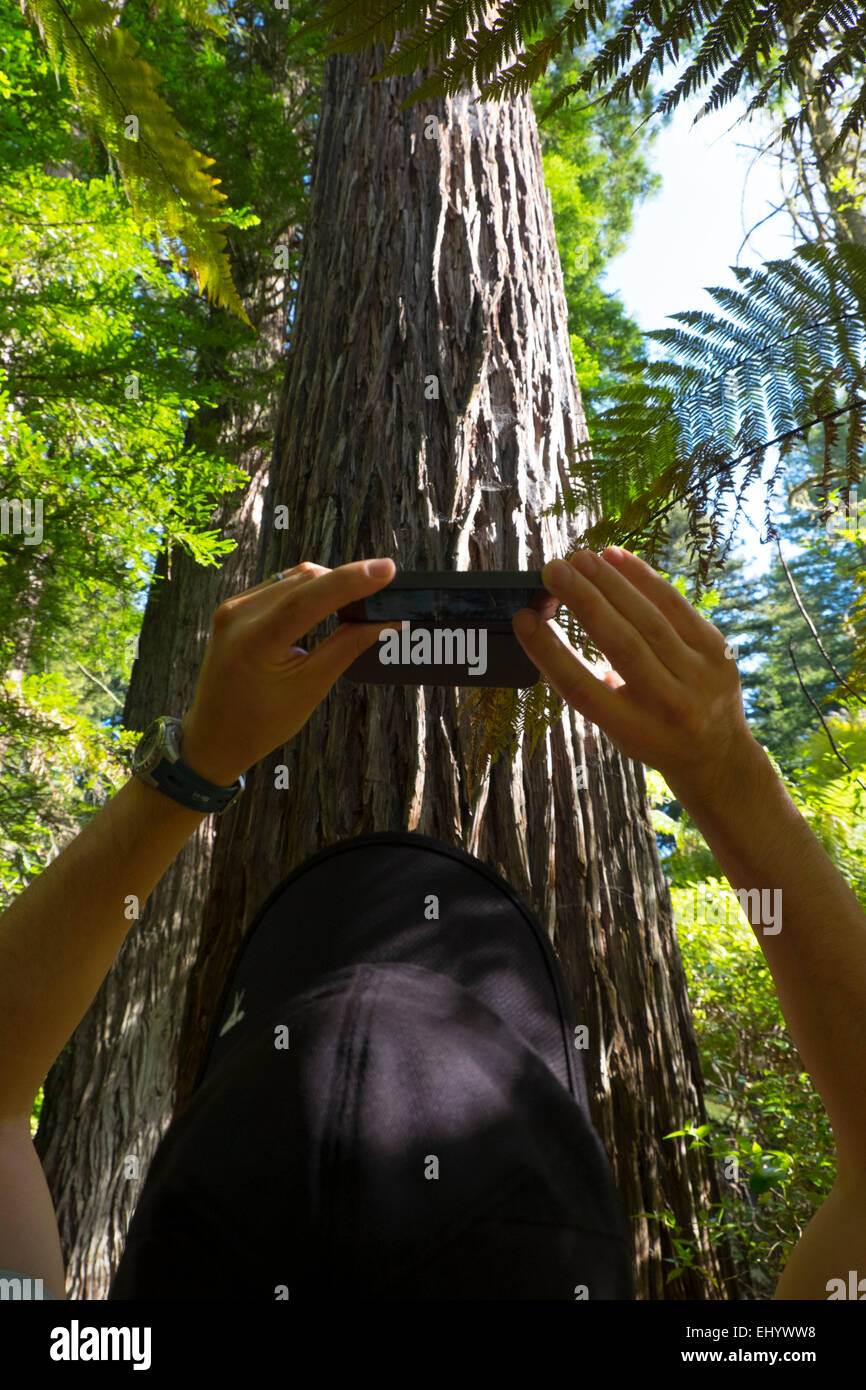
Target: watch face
{"type": "Point", "coordinates": [149, 749]}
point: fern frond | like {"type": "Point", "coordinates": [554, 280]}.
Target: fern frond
{"type": "Point", "coordinates": [786, 353]}
{"type": "Point", "coordinates": [164, 177]}
{"type": "Point", "coordinates": [480, 53]}
{"type": "Point", "coordinates": [734, 41]}
{"type": "Point", "coordinates": [570, 32]}
{"type": "Point", "coordinates": [197, 13]}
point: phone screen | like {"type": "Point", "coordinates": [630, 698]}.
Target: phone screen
{"type": "Point", "coordinates": [491, 603]}
{"type": "Point", "coordinates": [447, 605]}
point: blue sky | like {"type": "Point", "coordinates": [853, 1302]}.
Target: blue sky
{"type": "Point", "coordinates": [713, 192]}
{"type": "Point", "coordinates": [688, 235]}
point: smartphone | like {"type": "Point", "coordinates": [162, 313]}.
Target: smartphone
{"type": "Point", "coordinates": [449, 628]}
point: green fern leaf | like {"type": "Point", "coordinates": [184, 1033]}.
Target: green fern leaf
{"type": "Point", "coordinates": [163, 176]}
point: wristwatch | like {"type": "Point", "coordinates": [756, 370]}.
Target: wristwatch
{"type": "Point", "coordinates": [157, 762]}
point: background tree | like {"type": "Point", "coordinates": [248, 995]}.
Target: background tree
{"type": "Point", "coordinates": [760, 614]}
{"type": "Point", "coordinates": [781, 689]}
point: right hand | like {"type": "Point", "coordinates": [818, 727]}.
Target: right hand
{"type": "Point", "coordinates": [673, 700]}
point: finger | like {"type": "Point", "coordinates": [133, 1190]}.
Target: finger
{"type": "Point", "coordinates": [700, 635]}
{"type": "Point", "coordinates": [645, 616]}
{"type": "Point", "coordinates": [304, 604]}
{"type": "Point", "coordinates": [545, 604]}
{"type": "Point", "coordinates": [252, 602]}
{"type": "Point", "coordinates": [571, 677]}
{"type": "Point", "coordinates": [611, 631]}
{"type": "Point", "coordinates": [331, 658]}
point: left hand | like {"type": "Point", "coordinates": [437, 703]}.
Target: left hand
{"type": "Point", "coordinates": [256, 689]}
{"type": "Point", "coordinates": [673, 700]}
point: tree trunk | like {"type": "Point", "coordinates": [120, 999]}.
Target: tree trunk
{"type": "Point", "coordinates": [430, 261]}
{"type": "Point", "coordinates": [837, 168]}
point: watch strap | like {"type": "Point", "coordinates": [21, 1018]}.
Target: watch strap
{"type": "Point", "coordinates": [178, 781]}
{"type": "Point", "coordinates": [173, 777]}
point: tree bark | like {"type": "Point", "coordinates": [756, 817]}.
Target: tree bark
{"type": "Point", "coordinates": [838, 168]}
{"type": "Point", "coordinates": [434, 260]}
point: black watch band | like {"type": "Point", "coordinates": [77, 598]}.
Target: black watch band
{"type": "Point", "coordinates": [182, 784]}
{"type": "Point", "coordinates": [157, 762]}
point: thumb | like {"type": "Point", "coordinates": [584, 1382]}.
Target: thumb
{"type": "Point", "coordinates": [335, 655]}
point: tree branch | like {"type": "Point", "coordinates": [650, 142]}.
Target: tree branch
{"type": "Point", "coordinates": [811, 626]}
{"type": "Point", "coordinates": [98, 682]}
{"type": "Point", "coordinates": [842, 759]}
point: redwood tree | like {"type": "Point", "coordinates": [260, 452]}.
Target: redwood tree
{"type": "Point", "coordinates": [429, 411]}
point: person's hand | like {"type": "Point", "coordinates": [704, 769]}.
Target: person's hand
{"type": "Point", "coordinates": [673, 699]}
{"type": "Point", "coordinates": [256, 689]}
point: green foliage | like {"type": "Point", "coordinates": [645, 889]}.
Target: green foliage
{"type": "Point", "coordinates": [767, 1129]}
{"type": "Point", "coordinates": [58, 768]}
{"type": "Point", "coordinates": [118, 377]}
{"type": "Point", "coordinates": [786, 355]}
{"type": "Point", "coordinates": [729, 44]}
{"type": "Point", "coordinates": [36, 1112]}
{"type": "Point", "coordinates": [833, 799]}
{"type": "Point", "coordinates": [115, 90]}
{"type": "Point", "coordinates": [596, 170]}
{"type": "Point", "coordinates": [97, 389]}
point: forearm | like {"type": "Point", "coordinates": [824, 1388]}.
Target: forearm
{"type": "Point", "coordinates": [60, 936]}
{"type": "Point", "coordinates": [818, 957]}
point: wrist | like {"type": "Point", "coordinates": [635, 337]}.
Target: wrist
{"type": "Point", "coordinates": [743, 773]}
{"type": "Point", "coordinates": [155, 800]}
{"type": "Point", "coordinates": [205, 761]}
